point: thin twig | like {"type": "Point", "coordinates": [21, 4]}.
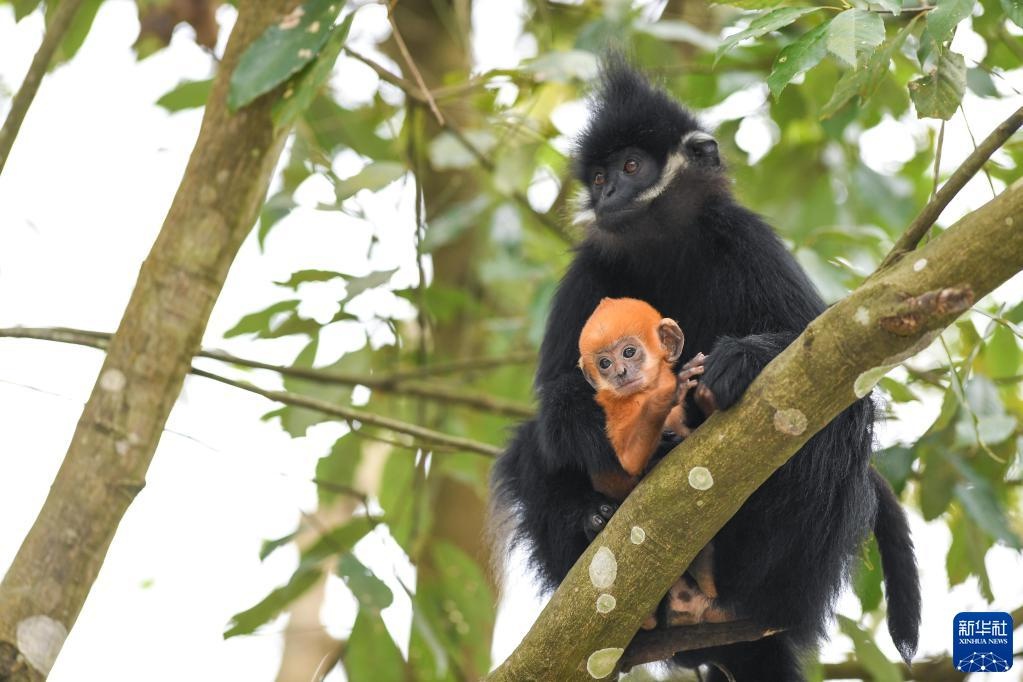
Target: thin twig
{"type": "Point", "coordinates": [973, 140]}
{"type": "Point", "coordinates": [937, 159]}
{"type": "Point", "coordinates": [56, 26]}
{"type": "Point", "coordinates": [407, 56]}
{"type": "Point", "coordinates": [974, 162]}
{"type": "Point", "coordinates": [399, 383]}
{"type": "Point", "coordinates": [351, 414]}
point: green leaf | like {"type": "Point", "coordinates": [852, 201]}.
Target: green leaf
{"type": "Point", "coordinates": [338, 541]}
{"type": "Point", "coordinates": [303, 276]}
{"type": "Point", "coordinates": [898, 391]}
{"type": "Point", "coordinates": [246, 622]}
{"type": "Point", "coordinates": [275, 208]}
{"type": "Point", "coordinates": [943, 19]}
{"type": "Point", "coordinates": [297, 99]}
{"type": "Point", "coordinates": [1014, 10]}
{"type": "Point", "coordinates": [853, 35]}
{"type": "Point", "coordinates": [186, 95]}
{"type": "Point", "coordinates": [78, 30]}
{"type": "Point", "coordinates": [966, 554]}
{"type": "Point", "coordinates": [282, 50]}
{"type": "Point", "coordinates": [373, 177]}
{"type": "Point", "coordinates": [938, 94]}
{"type": "Point", "coordinates": [259, 322]}
{"type": "Point", "coordinates": [22, 8]}
{"type": "Point", "coordinates": [865, 81]}
{"type": "Point", "coordinates": [1002, 354]}
{"type": "Point", "coordinates": [368, 589]}
{"type": "Point", "coordinates": [449, 225]}
{"type": "Point", "coordinates": [979, 503]}
{"type": "Point", "coordinates": [357, 285]}
{"type": "Point", "coordinates": [980, 83]}
{"type": "Point", "coordinates": [895, 464]}
{"type": "Point", "coordinates": [762, 25]}
{"type": "Point", "coordinates": [371, 654]}
{"type": "Point", "coordinates": [337, 468]}
{"type": "Point", "coordinates": [868, 655]}
{"type": "Point", "coordinates": [270, 546]}
{"type": "Point", "coordinates": [869, 575]}
{"type": "Point", "coordinates": [797, 58]}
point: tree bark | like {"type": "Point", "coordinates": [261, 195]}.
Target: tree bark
{"type": "Point", "coordinates": [105, 466]}
{"type": "Point", "coordinates": [680, 506]}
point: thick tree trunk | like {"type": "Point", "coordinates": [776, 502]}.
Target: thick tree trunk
{"type": "Point", "coordinates": [105, 466]}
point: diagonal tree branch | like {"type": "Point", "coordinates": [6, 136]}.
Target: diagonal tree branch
{"type": "Point", "coordinates": [56, 26]}
{"type": "Point", "coordinates": [973, 163]}
{"type": "Point", "coordinates": [395, 383]}
{"type": "Point", "coordinates": [660, 526]}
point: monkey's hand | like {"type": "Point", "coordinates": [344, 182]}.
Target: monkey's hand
{"type": "Point", "coordinates": [599, 513]}
{"type": "Point", "coordinates": [686, 382]}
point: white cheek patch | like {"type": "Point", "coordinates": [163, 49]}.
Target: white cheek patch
{"type": "Point", "coordinates": [676, 162]}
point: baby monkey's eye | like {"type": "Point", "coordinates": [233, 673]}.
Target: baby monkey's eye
{"type": "Point", "coordinates": [631, 166]}
{"type": "Point", "coordinates": [629, 351]}
{"type": "Point", "coordinates": [604, 363]}
{"type": "Point", "coordinates": [598, 178]}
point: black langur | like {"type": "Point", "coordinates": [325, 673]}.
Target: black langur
{"type": "Point", "coordinates": [665, 228]}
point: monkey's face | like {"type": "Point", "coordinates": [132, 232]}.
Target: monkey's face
{"type": "Point", "coordinates": [622, 367]}
{"type": "Point", "coordinates": [627, 181]}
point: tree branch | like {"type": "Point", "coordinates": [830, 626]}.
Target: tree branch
{"type": "Point", "coordinates": [352, 414]}
{"type": "Point", "coordinates": [649, 646]}
{"type": "Point", "coordinates": [384, 383]}
{"type": "Point", "coordinates": [973, 163]}
{"type": "Point", "coordinates": [56, 26]}
{"type": "Point", "coordinates": [660, 526]}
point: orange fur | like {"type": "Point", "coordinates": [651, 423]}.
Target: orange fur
{"type": "Point", "coordinates": [636, 421]}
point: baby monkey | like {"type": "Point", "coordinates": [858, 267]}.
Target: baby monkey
{"type": "Point", "coordinates": [627, 353]}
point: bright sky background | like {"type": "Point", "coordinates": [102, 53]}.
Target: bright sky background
{"type": "Point", "coordinates": [81, 200]}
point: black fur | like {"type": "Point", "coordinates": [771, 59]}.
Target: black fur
{"type": "Point", "coordinates": [702, 259]}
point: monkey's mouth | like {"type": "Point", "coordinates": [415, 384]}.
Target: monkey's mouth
{"type": "Point", "coordinates": [630, 386]}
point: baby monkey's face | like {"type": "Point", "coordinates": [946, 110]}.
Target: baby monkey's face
{"type": "Point", "coordinates": [623, 366]}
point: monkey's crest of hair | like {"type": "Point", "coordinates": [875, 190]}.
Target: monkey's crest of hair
{"type": "Point", "coordinates": [614, 318]}
{"type": "Point", "coordinates": [626, 110]}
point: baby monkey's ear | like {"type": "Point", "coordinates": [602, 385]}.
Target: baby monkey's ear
{"type": "Point", "coordinates": [591, 380]}
{"type": "Point", "coordinates": [672, 339]}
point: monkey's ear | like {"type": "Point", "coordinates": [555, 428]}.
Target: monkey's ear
{"type": "Point", "coordinates": [672, 339]}
{"type": "Point", "coordinates": [702, 149]}
{"type": "Point", "coordinates": [590, 380]}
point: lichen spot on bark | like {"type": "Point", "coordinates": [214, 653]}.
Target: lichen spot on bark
{"type": "Point", "coordinates": [601, 662]}
{"type": "Point", "coordinates": [920, 265]}
{"type": "Point", "coordinates": [700, 478]}
{"type": "Point", "coordinates": [39, 641]}
{"type": "Point", "coordinates": [292, 19]}
{"type": "Point", "coordinates": [790, 421]}
{"type": "Point", "coordinates": [603, 568]}
{"type": "Point", "coordinates": [313, 27]}
{"type": "Point", "coordinates": [862, 316]}
{"type": "Point", "coordinates": [222, 175]}
{"type": "Point", "coordinates": [207, 195]}
{"type": "Point", "coordinates": [122, 447]}
{"type": "Point", "coordinates": [638, 535]}
{"type": "Point", "coordinates": [606, 603]}
{"type": "Point", "coordinates": [113, 380]}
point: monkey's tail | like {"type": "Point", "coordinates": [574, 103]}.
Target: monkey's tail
{"type": "Point", "coordinates": [898, 561]}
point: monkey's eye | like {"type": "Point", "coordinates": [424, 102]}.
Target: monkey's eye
{"type": "Point", "coordinates": [604, 363]}
{"type": "Point", "coordinates": [598, 178]}
{"type": "Point", "coordinates": [628, 352]}
{"type": "Point", "coordinates": [631, 166]}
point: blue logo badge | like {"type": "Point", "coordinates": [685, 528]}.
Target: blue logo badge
{"type": "Point", "coordinates": [982, 641]}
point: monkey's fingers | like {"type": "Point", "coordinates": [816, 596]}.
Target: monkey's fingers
{"type": "Point", "coordinates": [697, 361]}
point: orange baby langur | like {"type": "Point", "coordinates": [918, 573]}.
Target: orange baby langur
{"type": "Point", "coordinates": [628, 352]}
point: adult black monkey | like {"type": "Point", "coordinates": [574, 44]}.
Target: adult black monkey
{"type": "Point", "coordinates": [666, 229]}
